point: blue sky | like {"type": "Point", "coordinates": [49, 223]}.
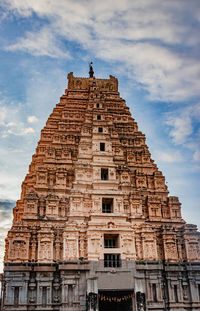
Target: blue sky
{"type": "Point", "coordinates": [152, 47]}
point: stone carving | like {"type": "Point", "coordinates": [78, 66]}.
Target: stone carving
{"type": "Point", "coordinates": [18, 250]}
{"type": "Point", "coordinates": [70, 248]}
{"type": "Point", "coordinates": [59, 217]}
{"type": "Point", "coordinates": [45, 249]}
{"type": "Point", "coordinates": [149, 250]}
{"type": "Point", "coordinates": [170, 251]}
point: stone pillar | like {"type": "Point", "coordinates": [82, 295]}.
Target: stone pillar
{"type": "Point", "coordinates": [92, 294]}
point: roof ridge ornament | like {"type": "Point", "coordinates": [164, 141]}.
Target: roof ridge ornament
{"type": "Point", "coordinates": [91, 71]}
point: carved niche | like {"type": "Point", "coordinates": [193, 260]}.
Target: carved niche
{"type": "Point", "coordinates": [96, 204]}
{"type": "Point", "coordinates": [154, 206]}
{"type": "Point", "coordinates": [70, 246]}
{"type": "Point", "coordinates": [18, 247]}
{"type": "Point", "coordinates": [170, 246]}
{"type": "Point", "coordinates": [52, 202]}
{"type": "Point", "coordinates": [45, 247]}
{"type": "Point", "coordinates": [31, 204]}
{"type": "Point", "coordinates": [174, 207]}
{"type": "Point", "coordinates": [149, 250]}
{"type": "Point", "coordinates": [141, 182]}
{"type": "Point", "coordinates": [136, 206]}
{"type": "Point", "coordinates": [94, 245]}
{"type": "Point", "coordinates": [42, 177]}
{"type": "Point", "coordinates": [128, 246]}
{"type": "Point", "coordinates": [192, 244]}
{"type": "Point", "coordinates": [125, 178]}
{"type": "Point", "coordinates": [60, 178]}
{"type": "Point", "coordinates": [149, 245]}
{"type": "Point", "coordinates": [76, 204]}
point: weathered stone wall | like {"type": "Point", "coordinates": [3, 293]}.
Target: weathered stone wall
{"type": "Point", "coordinates": [66, 284]}
{"type": "Point", "coordinates": [91, 179]}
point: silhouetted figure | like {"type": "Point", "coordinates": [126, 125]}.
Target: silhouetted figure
{"type": "Point", "coordinates": [91, 72]}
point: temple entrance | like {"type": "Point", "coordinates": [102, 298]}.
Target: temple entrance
{"type": "Point", "coordinates": [116, 300]}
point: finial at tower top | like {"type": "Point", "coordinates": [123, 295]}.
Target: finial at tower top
{"type": "Point", "coordinates": [91, 72]}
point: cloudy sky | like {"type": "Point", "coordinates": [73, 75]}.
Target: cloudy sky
{"type": "Point", "coordinates": [151, 46]}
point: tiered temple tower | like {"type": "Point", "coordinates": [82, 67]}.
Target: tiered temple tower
{"type": "Point", "coordinates": [95, 227]}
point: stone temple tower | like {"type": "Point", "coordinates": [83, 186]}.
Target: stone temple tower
{"type": "Point", "coordinates": [95, 227]}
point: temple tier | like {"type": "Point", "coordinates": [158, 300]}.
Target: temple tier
{"type": "Point", "coordinates": [95, 227]}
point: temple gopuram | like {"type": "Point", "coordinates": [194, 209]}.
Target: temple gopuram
{"type": "Point", "coordinates": [95, 227]}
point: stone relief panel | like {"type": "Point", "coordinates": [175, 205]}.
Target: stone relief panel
{"type": "Point", "coordinates": [149, 246]}
{"type": "Point", "coordinates": [174, 207]}
{"type": "Point", "coordinates": [51, 179]}
{"type": "Point", "coordinates": [141, 182]}
{"type": "Point", "coordinates": [87, 205]}
{"type": "Point", "coordinates": [118, 205]}
{"type": "Point", "coordinates": [154, 210]}
{"type": "Point", "coordinates": [60, 178]}
{"type": "Point", "coordinates": [193, 250]}
{"type": "Point", "coordinates": [85, 150]}
{"type": "Point", "coordinates": [128, 244]}
{"type": "Point", "coordinates": [52, 203]}
{"type": "Point", "coordinates": [66, 154]}
{"type": "Point", "coordinates": [82, 245]}
{"type": "Point", "coordinates": [170, 250]}
{"type": "Point", "coordinates": [70, 246]}
{"type": "Point", "coordinates": [125, 178]}
{"type": "Point", "coordinates": [135, 207]}
{"type": "Point", "coordinates": [138, 247]}
{"type": "Point", "coordinates": [45, 248]}
{"type": "Point", "coordinates": [95, 242]}
{"type": "Point", "coordinates": [84, 175]}
{"type": "Point", "coordinates": [86, 130]}
{"type": "Point", "coordinates": [30, 207]}
{"type": "Point", "coordinates": [50, 153]}
{"type": "Point", "coordinates": [42, 177]}
{"type": "Point", "coordinates": [149, 250]}
{"type": "Point", "coordinates": [76, 204]}
{"type": "Point", "coordinates": [18, 248]}
{"type": "Point", "coordinates": [96, 205]}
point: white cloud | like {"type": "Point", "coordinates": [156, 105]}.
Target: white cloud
{"type": "Point", "coordinates": [169, 157]}
{"type": "Point", "coordinates": [182, 128]}
{"type": "Point", "coordinates": [32, 119]}
{"type": "Point", "coordinates": [142, 34]}
{"type": "Point", "coordinates": [42, 43]}
{"type": "Point", "coordinates": [11, 120]}
{"type": "Point", "coordinates": [185, 128]}
{"type": "Point", "coordinates": [29, 130]}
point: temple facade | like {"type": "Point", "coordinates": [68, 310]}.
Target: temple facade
{"type": "Point", "coordinates": [95, 227]}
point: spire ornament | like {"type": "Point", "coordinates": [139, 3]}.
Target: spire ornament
{"type": "Point", "coordinates": [91, 71]}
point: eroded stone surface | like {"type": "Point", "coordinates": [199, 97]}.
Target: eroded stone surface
{"type": "Point", "coordinates": [92, 177]}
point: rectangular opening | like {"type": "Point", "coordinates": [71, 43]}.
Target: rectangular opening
{"type": "Point", "coordinates": [102, 146]}
{"type": "Point", "coordinates": [44, 296]}
{"type": "Point", "coordinates": [111, 240]}
{"type": "Point", "coordinates": [97, 105]}
{"type": "Point", "coordinates": [107, 205]}
{"type": "Point", "coordinates": [70, 295]}
{"type": "Point", "coordinates": [115, 300]}
{"type": "Point", "coordinates": [100, 129]}
{"type": "Point", "coordinates": [175, 293]}
{"type": "Point", "coordinates": [16, 296]}
{"type": "Point", "coordinates": [199, 290]}
{"type": "Point", "coordinates": [154, 292]}
{"type": "Point", "coordinates": [104, 173]}
{"type": "Point", "coordinates": [98, 117]}
{"type": "Point", "coordinates": [112, 260]}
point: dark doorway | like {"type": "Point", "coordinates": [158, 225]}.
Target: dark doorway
{"type": "Point", "coordinates": [115, 300]}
